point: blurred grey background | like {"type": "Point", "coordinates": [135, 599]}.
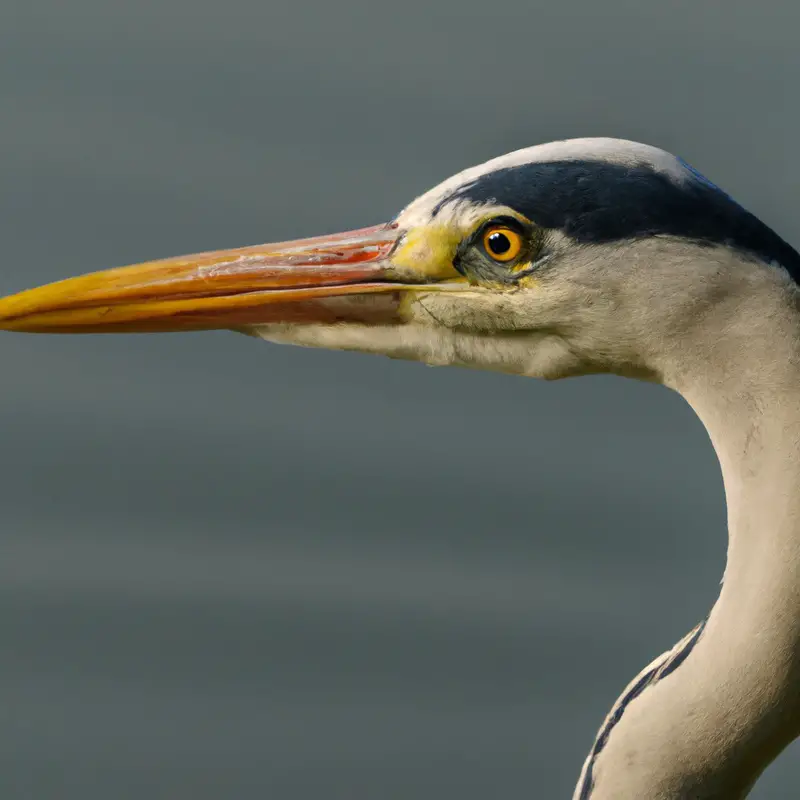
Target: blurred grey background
{"type": "Point", "coordinates": [234, 570]}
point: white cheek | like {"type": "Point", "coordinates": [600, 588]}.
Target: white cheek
{"type": "Point", "coordinates": [491, 311]}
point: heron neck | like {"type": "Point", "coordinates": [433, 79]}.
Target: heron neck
{"type": "Point", "coordinates": [746, 672]}
{"type": "Point", "coordinates": [711, 726]}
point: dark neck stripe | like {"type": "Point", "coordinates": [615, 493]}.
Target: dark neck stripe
{"type": "Point", "coordinates": [662, 667]}
{"type": "Point", "coordinates": [596, 202]}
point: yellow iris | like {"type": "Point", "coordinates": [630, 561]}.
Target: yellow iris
{"type": "Point", "coordinates": [502, 243]}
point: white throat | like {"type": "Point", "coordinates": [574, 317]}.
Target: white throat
{"type": "Point", "coordinates": [711, 723]}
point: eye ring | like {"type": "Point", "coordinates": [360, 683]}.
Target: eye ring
{"type": "Point", "coordinates": [501, 243]}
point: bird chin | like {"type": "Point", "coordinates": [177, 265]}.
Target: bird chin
{"type": "Point", "coordinates": [531, 354]}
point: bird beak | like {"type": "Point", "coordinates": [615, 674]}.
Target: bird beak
{"type": "Point", "coordinates": [343, 277]}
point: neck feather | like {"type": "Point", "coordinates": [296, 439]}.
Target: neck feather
{"type": "Point", "coordinates": [705, 719]}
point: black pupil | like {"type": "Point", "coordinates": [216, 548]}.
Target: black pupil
{"type": "Point", "coordinates": [499, 243]}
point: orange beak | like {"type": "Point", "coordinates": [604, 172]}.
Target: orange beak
{"type": "Point", "coordinates": [324, 279]}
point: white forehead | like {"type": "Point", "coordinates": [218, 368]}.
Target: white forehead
{"type": "Point", "coordinates": [612, 151]}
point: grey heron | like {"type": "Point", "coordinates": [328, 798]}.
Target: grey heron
{"type": "Point", "coordinates": [569, 258]}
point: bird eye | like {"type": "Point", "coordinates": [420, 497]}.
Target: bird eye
{"type": "Point", "coordinates": [502, 243]}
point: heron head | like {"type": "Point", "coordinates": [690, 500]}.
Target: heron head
{"type": "Point", "coordinates": [587, 255]}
